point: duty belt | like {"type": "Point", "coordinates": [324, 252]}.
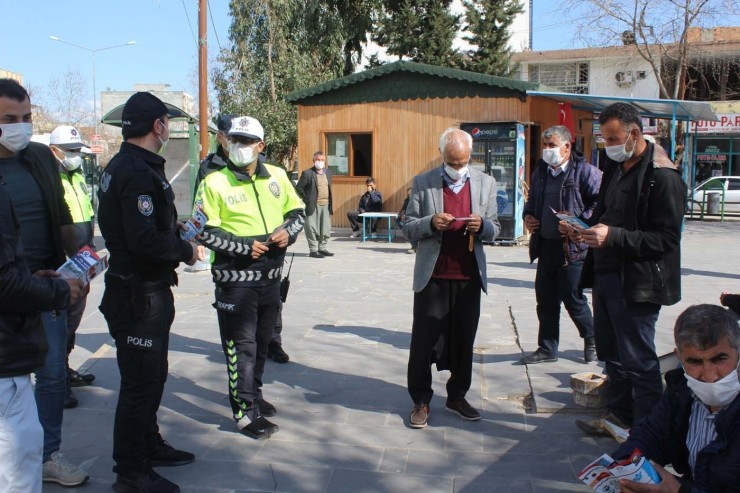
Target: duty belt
{"type": "Point", "coordinates": [220, 275]}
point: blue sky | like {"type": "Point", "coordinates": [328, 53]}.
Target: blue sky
{"type": "Point", "coordinates": [165, 49]}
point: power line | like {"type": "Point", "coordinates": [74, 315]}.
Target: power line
{"type": "Point", "coordinates": [213, 24]}
{"type": "Point", "coordinates": [195, 39]}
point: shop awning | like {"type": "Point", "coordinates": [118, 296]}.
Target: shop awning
{"type": "Point", "coordinates": [667, 109]}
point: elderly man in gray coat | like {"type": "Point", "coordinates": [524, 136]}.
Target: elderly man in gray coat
{"type": "Point", "coordinates": [451, 212]}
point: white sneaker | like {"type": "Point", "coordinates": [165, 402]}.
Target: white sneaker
{"type": "Point", "coordinates": [355, 234]}
{"type": "Point", "coordinates": [58, 470]}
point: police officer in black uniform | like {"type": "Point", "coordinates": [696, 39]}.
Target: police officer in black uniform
{"type": "Point", "coordinates": [138, 221]}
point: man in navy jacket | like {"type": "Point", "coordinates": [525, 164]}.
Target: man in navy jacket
{"type": "Point", "coordinates": [562, 181]}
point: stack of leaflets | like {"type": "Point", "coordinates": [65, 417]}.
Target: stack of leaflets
{"type": "Point", "coordinates": [603, 474]}
{"type": "Point", "coordinates": [83, 265]}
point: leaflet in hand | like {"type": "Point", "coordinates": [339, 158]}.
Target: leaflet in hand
{"type": "Point", "coordinates": [195, 225]}
{"type": "Point", "coordinates": [571, 220]}
{"type": "Point", "coordinates": [603, 474]}
{"type": "Point", "coordinates": [83, 265]}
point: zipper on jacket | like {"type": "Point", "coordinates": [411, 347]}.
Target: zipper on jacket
{"type": "Point", "coordinates": [259, 205]}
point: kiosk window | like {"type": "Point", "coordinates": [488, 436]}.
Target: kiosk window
{"type": "Point", "coordinates": [350, 154]}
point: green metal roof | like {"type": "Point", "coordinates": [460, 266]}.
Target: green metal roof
{"type": "Point", "coordinates": [408, 80]}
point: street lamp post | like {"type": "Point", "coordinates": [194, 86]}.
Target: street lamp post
{"type": "Point", "coordinates": [93, 51]}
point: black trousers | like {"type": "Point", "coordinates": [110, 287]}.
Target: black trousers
{"type": "Point", "coordinates": [446, 315]}
{"type": "Point", "coordinates": [246, 319]}
{"type": "Point", "coordinates": [625, 341]}
{"type": "Point", "coordinates": [556, 283]}
{"type": "Point", "coordinates": [355, 220]}
{"type": "Point", "coordinates": [277, 332]}
{"type": "Point", "coordinates": [139, 320]}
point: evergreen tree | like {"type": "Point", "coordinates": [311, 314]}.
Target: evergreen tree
{"type": "Point", "coordinates": [277, 47]}
{"type": "Point", "coordinates": [489, 22]}
{"type": "Point", "coordinates": [420, 31]}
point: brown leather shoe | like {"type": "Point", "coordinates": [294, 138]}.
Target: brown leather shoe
{"type": "Point", "coordinates": [419, 416]}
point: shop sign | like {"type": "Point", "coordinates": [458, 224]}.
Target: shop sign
{"type": "Point", "coordinates": [728, 123]}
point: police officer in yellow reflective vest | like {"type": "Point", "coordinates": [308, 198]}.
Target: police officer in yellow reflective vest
{"type": "Point", "coordinates": [254, 213]}
{"type": "Point", "coordinates": [66, 144]}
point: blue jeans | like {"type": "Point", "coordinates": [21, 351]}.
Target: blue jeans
{"type": "Point", "coordinates": [51, 380]}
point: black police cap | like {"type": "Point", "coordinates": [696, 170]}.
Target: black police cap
{"type": "Point", "coordinates": [224, 122]}
{"type": "Point", "coordinates": [145, 107]}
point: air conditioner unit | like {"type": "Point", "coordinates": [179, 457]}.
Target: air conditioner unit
{"type": "Point", "coordinates": [624, 79]}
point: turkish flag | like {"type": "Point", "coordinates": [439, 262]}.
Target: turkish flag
{"type": "Point", "coordinates": [566, 118]}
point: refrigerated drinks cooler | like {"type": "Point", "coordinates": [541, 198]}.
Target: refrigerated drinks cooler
{"type": "Point", "coordinates": [498, 150]}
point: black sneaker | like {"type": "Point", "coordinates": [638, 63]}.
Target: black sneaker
{"type": "Point", "coordinates": [70, 400]}
{"type": "Point", "coordinates": [144, 482]}
{"type": "Point", "coordinates": [462, 409]}
{"type": "Point", "coordinates": [277, 354]}
{"type": "Point", "coordinates": [77, 379]}
{"type": "Point", "coordinates": [266, 409]}
{"type": "Point", "coordinates": [165, 455]}
{"type": "Point", "coordinates": [326, 253]}
{"type": "Point", "coordinates": [315, 255]}
{"type": "Point", "coordinates": [259, 429]}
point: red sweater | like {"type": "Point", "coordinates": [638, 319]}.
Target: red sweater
{"type": "Point", "coordinates": [455, 261]}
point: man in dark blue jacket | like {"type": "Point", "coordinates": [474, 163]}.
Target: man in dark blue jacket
{"type": "Point", "coordinates": [696, 425]}
{"type": "Point", "coordinates": [562, 181]}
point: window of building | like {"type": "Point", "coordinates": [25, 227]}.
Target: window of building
{"type": "Point", "coordinates": [568, 77]}
{"type": "Point", "coordinates": [350, 154]}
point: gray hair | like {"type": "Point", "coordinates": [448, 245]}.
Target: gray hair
{"type": "Point", "coordinates": [704, 326]}
{"type": "Point", "coordinates": [559, 131]}
{"type": "Point", "coordinates": [451, 135]}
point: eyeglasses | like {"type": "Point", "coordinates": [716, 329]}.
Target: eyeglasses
{"type": "Point", "coordinates": [240, 139]}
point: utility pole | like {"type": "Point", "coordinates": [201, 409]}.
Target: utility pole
{"type": "Point", "coordinates": [203, 77]}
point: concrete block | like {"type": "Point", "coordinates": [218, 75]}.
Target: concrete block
{"type": "Point", "coordinates": [589, 389]}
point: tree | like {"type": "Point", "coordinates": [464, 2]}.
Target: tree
{"type": "Point", "coordinates": [488, 22]}
{"type": "Point", "coordinates": [658, 30]}
{"type": "Point", "coordinates": [67, 101]}
{"type": "Point", "coordinates": [422, 31]}
{"type": "Point", "coordinates": [278, 46]}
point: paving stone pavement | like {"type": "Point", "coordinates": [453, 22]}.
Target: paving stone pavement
{"type": "Point", "coordinates": [342, 401]}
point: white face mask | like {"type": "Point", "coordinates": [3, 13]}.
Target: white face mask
{"type": "Point", "coordinates": [162, 142]}
{"type": "Point", "coordinates": [717, 394]}
{"type": "Point", "coordinates": [619, 153]}
{"type": "Point", "coordinates": [552, 156]}
{"type": "Point", "coordinates": [318, 164]}
{"type": "Point", "coordinates": [16, 136]}
{"type": "Point", "coordinates": [242, 155]}
{"type": "Point", "coordinates": [72, 161]}
{"type": "Point", "coordinates": [456, 174]}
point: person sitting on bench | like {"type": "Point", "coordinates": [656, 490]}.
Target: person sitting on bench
{"type": "Point", "coordinates": [371, 201]}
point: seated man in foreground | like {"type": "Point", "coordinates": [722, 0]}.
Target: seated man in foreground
{"type": "Point", "coordinates": [696, 425]}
